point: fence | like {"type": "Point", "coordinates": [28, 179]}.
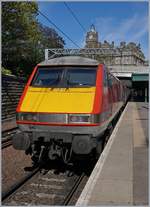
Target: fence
{"type": "Point", "coordinates": [12, 88]}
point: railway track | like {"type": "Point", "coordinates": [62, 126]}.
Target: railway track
{"type": "Point", "coordinates": [7, 137]}
{"type": "Point", "coordinates": [47, 188]}
{"type": "Point", "coordinates": [69, 197]}
{"type": "Point", "coordinates": [6, 143]}
{"type": "Point", "coordinates": [9, 133]}
{"type": "Point", "coordinates": [20, 183]}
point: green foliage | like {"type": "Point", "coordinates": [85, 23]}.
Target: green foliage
{"type": "Point", "coordinates": [6, 71]}
{"type": "Point", "coordinates": [48, 39]}
{"type": "Point", "coordinates": [23, 38]}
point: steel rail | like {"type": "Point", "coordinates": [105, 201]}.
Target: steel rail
{"type": "Point", "coordinates": [73, 190]}
{"type": "Point", "coordinates": [8, 133]}
{"type": "Point", "coordinates": [6, 143]}
{"type": "Point", "coordinates": [7, 137]}
{"type": "Point", "coordinates": [9, 130]}
{"type": "Point", "coordinates": [19, 184]}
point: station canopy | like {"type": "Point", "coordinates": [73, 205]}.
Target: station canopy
{"type": "Point", "coordinates": [140, 77]}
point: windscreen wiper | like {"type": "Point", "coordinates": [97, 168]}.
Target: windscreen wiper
{"type": "Point", "coordinates": [56, 81]}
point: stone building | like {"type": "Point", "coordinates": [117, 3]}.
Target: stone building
{"type": "Point", "coordinates": [125, 54]}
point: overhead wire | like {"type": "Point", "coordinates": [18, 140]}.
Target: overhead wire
{"type": "Point", "coordinates": [75, 17]}
{"type": "Point", "coordinates": [51, 22]}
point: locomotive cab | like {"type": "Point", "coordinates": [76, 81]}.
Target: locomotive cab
{"type": "Point", "coordinates": [64, 109]}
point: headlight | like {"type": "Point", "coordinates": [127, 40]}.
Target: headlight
{"type": "Point", "coordinates": [79, 118]}
{"type": "Point", "coordinates": [27, 117]}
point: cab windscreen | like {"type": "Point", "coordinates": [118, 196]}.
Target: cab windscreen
{"type": "Point", "coordinates": [65, 77]}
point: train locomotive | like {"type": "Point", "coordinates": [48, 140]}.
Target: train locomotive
{"type": "Point", "coordinates": [67, 105]}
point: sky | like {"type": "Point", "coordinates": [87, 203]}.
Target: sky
{"type": "Point", "coordinates": [114, 21]}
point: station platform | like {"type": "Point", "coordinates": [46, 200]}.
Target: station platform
{"type": "Point", "coordinates": [120, 176]}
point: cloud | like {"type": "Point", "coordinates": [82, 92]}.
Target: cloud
{"type": "Point", "coordinates": [129, 29]}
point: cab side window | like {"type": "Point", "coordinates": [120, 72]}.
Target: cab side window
{"type": "Point", "coordinates": [105, 78]}
{"type": "Point", "coordinates": [110, 80]}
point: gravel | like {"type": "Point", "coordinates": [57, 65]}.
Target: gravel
{"type": "Point", "coordinates": [13, 164]}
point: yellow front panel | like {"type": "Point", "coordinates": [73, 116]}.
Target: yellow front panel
{"type": "Point", "coordinates": [62, 100]}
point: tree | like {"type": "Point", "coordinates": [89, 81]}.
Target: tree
{"type": "Point", "coordinates": [49, 39]}
{"type": "Point", "coordinates": [19, 29]}
{"type": "Point", "coordinates": [23, 38]}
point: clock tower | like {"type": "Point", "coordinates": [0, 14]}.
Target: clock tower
{"type": "Point", "coordinates": [92, 38]}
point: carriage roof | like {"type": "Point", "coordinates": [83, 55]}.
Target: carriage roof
{"type": "Point", "coordinates": [70, 60]}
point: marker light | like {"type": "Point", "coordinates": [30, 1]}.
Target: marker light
{"type": "Point", "coordinates": [79, 118]}
{"type": "Point", "coordinates": [27, 117]}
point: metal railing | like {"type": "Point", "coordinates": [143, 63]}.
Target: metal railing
{"type": "Point", "coordinates": [110, 52]}
{"type": "Point", "coordinates": [50, 53]}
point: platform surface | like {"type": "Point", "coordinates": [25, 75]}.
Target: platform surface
{"type": "Point", "coordinates": [120, 176]}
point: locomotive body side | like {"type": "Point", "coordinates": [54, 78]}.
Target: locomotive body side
{"type": "Point", "coordinates": [68, 117]}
